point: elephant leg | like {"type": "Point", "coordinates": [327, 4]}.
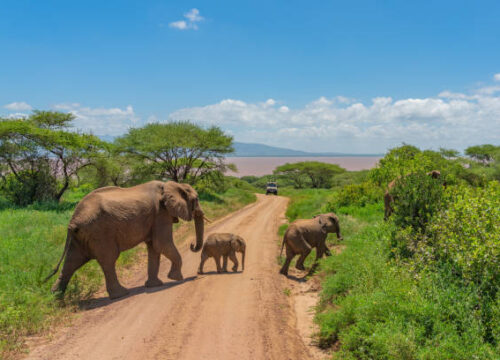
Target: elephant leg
{"type": "Point", "coordinates": [75, 259]}
{"type": "Point", "coordinates": [153, 267]}
{"type": "Point", "coordinates": [320, 251]}
{"type": "Point", "coordinates": [224, 263]}
{"type": "Point", "coordinates": [204, 258]}
{"type": "Point", "coordinates": [300, 262]}
{"type": "Point", "coordinates": [217, 263]}
{"type": "Point", "coordinates": [234, 259]}
{"type": "Point", "coordinates": [289, 256]}
{"type": "Point", "coordinates": [171, 252]}
{"type": "Point", "coordinates": [113, 286]}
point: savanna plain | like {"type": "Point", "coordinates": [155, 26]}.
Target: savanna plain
{"type": "Point", "coordinates": [421, 285]}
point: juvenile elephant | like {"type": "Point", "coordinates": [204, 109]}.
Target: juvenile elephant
{"type": "Point", "coordinates": [113, 219]}
{"type": "Point", "coordinates": [302, 235]}
{"type": "Point", "coordinates": [389, 198]}
{"type": "Point", "coordinates": [225, 245]}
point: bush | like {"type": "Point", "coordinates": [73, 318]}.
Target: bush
{"type": "Point", "coordinates": [28, 187]}
{"type": "Point", "coordinates": [356, 195]}
{"type": "Point", "coordinates": [467, 235]}
{"type": "Point", "coordinates": [417, 197]}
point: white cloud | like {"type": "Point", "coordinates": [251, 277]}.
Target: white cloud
{"type": "Point", "coordinates": [452, 120]}
{"type": "Point", "coordinates": [193, 17]}
{"type": "Point", "coordinates": [101, 121]}
{"type": "Point", "coordinates": [496, 77]}
{"type": "Point", "coordinates": [18, 106]}
{"type": "Point", "coordinates": [181, 25]}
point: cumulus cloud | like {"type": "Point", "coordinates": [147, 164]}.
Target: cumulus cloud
{"type": "Point", "coordinates": [18, 106]}
{"type": "Point", "coordinates": [101, 121]}
{"type": "Point", "coordinates": [193, 17]}
{"type": "Point", "coordinates": [339, 124]}
{"type": "Point", "coordinates": [496, 77]}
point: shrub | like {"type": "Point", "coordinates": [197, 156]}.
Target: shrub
{"type": "Point", "coordinates": [467, 235]}
{"type": "Point", "coordinates": [356, 195]}
{"type": "Point", "coordinates": [417, 197]}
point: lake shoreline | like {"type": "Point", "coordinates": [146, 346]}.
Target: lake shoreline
{"type": "Point", "coordinates": [264, 165]}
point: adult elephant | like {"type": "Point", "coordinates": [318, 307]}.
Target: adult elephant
{"type": "Point", "coordinates": [389, 198]}
{"type": "Point", "coordinates": [112, 219]}
{"type": "Point", "coordinates": [302, 235]}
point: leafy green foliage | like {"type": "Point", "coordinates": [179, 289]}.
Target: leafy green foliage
{"type": "Point", "coordinates": [39, 155]}
{"type": "Point", "coordinates": [417, 197]}
{"type": "Point", "coordinates": [356, 195]}
{"type": "Point", "coordinates": [483, 153]}
{"type": "Point", "coordinates": [318, 173]}
{"type": "Point", "coordinates": [179, 151]}
{"type": "Point", "coordinates": [467, 235]}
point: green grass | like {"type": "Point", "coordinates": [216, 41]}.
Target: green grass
{"type": "Point", "coordinates": [32, 240]}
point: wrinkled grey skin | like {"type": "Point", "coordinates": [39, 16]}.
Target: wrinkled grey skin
{"type": "Point", "coordinates": [302, 235]}
{"type": "Point", "coordinates": [111, 220]}
{"type": "Point", "coordinates": [225, 245]}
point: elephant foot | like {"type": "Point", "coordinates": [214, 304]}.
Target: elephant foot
{"type": "Point", "coordinates": [175, 275]}
{"type": "Point", "coordinates": [200, 272]}
{"type": "Point", "coordinates": [284, 272]}
{"type": "Point", "coordinates": [153, 282]}
{"type": "Point", "coordinates": [118, 293]}
{"type": "Point", "coordinates": [300, 267]}
{"type": "Point", "coordinates": [235, 269]}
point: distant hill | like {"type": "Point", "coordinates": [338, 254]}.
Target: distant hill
{"type": "Point", "coordinates": [261, 150]}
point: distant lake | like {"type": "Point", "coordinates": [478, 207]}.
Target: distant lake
{"type": "Point", "coordinates": [259, 166]}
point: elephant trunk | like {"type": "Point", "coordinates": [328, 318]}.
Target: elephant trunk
{"type": "Point", "coordinates": [199, 227]}
{"type": "Point", "coordinates": [243, 259]}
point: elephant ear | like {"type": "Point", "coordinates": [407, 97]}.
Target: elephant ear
{"type": "Point", "coordinates": [322, 223]}
{"type": "Point", "coordinates": [176, 200]}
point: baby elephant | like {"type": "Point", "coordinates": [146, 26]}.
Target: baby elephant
{"type": "Point", "coordinates": [302, 235]}
{"type": "Point", "coordinates": [224, 245]}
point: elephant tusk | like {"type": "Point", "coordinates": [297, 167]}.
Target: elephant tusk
{"type": "Point", "coordinates": [206, 219]}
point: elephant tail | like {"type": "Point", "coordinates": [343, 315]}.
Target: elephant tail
{"type": "Point", "coordinates": [69, 237]}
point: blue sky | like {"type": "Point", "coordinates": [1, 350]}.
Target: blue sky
{"type": "Point", "coordinates": [350, 76]}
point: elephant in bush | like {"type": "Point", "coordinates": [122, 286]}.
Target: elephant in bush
{"type": "Point", "coordinates": [389, 198]}
{"type": "Point", "coordinates": [302, 235]}
{"type": "Point", "coordinates": [113, 219]}
{"type": "Point", "coordinates": [225, 245]}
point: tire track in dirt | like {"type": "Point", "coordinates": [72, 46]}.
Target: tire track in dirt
{"type": "Point", "coordinates": [212, 316]}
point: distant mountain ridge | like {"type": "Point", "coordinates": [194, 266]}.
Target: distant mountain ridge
{"type": "Point", "coordinates": [261, 150]}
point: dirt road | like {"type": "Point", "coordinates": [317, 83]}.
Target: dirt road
{"type": "Point", "coordinates": [212, 316]}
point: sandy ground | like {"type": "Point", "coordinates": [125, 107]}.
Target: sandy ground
{"type": "Point", "coordinates": [243, 315]}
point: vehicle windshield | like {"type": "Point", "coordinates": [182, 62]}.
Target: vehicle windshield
{"type": "Point", "coordinates": [271, 185]}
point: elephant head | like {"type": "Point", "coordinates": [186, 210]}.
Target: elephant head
{"type": "Point", "coordinates": [329, 224]}
{"type": "Point", "coordinates": [239, 245]}
{"type": "Point", "coordinates": [181, 201]}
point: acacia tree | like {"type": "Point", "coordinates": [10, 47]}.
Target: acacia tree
{"type": "Point", "coordinates": [40, 155]}
{"type": "Point", "coordinates": [319, 173]}
{"type": "Point", "coordinates": [483, 153]}
{"type": "Point", "coordinates": [180, 151]}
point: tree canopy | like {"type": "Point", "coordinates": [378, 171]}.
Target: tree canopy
{"type": "Point", "coordinates": [180, 151]}
{"type": "Point", "coordinates": [318, 173]}
{"type": "Point", "coordinates": [39, 155]}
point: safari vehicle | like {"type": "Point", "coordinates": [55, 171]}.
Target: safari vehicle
{"type": "Point", "coordinates": [272, 188]}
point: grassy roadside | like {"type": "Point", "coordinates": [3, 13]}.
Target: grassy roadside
{"type": "Point", "coordinates": [32, 239]}
{"type": "Point", "coordinates": [373, 307]}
